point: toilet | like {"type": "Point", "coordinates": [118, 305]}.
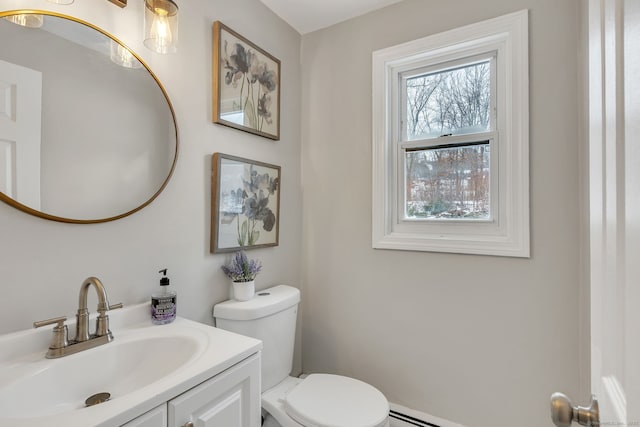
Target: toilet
{"type": "Point", "coordinates": [318, 400]}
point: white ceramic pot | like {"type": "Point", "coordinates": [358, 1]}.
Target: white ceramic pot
{"type": "Point", "coordinates": [244, 291]}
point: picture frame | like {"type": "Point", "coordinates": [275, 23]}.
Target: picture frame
{"type": "Point", "coordinates": [246, 84]}
{"type": "Point", "coordinates": [245, 204]}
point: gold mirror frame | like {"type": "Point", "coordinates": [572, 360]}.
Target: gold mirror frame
{"type": "Point", "coordinates": [10, 201]}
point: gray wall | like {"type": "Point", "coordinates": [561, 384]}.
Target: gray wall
{"type": "Point", "coordinates": [479, 340]}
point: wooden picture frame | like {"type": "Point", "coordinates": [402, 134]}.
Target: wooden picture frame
{"type": "Point", "coordinates": [245, 204]}
{"type": "Point", "coordinates": [246, 84]}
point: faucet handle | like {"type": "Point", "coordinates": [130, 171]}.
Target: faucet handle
{"type": "Point", "coordinates": [59, 320]}
{"type": "Point", "coordinates": [104, 307]}
{"type": "Point", "coordinates": [102, 321]}
{"type": "Point", "coordinates": [60, 332]}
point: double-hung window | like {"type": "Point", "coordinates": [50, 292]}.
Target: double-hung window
{"type": "Point", "coordinates": [447, 132]}
{"type": "Point", "coordinates": [450, 141]}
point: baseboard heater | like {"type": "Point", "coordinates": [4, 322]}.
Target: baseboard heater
{"type": "Point", "coordinates": [410, 420]}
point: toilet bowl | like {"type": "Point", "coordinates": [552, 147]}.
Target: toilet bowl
{"type": "Point", "coordinates": [326, 400]}
{"type": "Point", "coordinates": [318, 400]}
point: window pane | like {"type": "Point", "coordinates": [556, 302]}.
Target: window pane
{"type": "Point", "coordinates": [449, 182]}
{"type": "Point", "coordinates": [454, 101]}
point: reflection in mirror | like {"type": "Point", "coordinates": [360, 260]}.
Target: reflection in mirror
{"type": "Point", "coordinates": [87, 133]}
{"type": "Point", "coordinates": [26, 20]}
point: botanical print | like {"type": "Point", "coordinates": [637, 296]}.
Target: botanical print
{"type": "Point", "coordinates": [245, 71]}
{"type": "Point", "coordinates": [247, 86]}
{"type": "Point", "coordinates": [247, 203]}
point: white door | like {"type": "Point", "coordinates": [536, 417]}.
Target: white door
{"type": "Point", "coordinates": [631, 298]}
{"type": "Point", "coordinates": [614, 192]}
{"type": "Point", "coordinates": [20, 133]}
{"type": "Point", "coordinates": [614, 107]}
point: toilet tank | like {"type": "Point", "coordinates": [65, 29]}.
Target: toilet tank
{"type": "Point", "coordinates": [269, 316]}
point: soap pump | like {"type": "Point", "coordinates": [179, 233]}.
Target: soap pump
{"type": "Point", "coordinates": [163, 304]}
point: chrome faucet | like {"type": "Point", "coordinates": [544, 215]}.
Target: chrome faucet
{"type": "Point", "coordinates": [61, 345]}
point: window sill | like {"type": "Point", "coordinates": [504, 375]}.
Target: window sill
{"type": "Point", "coordinates": [453, 243]}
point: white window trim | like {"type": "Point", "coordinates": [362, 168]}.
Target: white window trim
{"type": "Point", "coordinates": [507, 233]}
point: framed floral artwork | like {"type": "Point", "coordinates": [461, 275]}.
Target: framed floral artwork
{"type": "Point", "coordinates": [246, 84]}
{"type": "Point", "coordinates": [245, 204]}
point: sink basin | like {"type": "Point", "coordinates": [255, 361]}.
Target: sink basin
{"type": "Point", "coordinates": [144, 366]}
{"type": "Point", "coordinates": [117, 368]}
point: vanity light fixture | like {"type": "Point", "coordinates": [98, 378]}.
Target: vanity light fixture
{"type": "Point", "coordinates": [161, 26]}
{"type": "Point", "coordinates": [26, 20]}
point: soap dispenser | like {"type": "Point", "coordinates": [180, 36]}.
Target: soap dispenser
{"type": "Point", "coordinates": [163, 304]}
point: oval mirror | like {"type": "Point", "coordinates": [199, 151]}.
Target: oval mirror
{"type": "Point", "coordinates": [87, 132]}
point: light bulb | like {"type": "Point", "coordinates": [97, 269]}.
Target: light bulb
{"type": "Point", "coordinates": [160, 30]}
{"type": "Point", "coordinates": [161, 25]}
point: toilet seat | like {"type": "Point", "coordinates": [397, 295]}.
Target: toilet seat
{"type": "Point", "coordinates": [323, 400]}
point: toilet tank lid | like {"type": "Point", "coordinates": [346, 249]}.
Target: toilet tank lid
{"type": "Point", "coordinates": [265, 303]}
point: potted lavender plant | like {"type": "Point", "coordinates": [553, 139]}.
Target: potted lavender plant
{"type": "Point", "coordinates": [242, 271]}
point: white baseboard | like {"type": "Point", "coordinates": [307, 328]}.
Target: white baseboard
{"type": "Point", "coordinates": [430, 420]}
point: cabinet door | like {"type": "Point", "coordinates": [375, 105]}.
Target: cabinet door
{"type": "Point", "coordinates": [157, 417]}
{"type": "Point", "coordinates": [230, 399]}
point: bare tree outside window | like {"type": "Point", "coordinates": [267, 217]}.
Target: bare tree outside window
{"type": "Point", "coordinates": [453, 101]}
{"type": "Point", "coordinates": [449, 181]}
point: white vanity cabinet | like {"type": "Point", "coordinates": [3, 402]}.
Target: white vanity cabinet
{"type": "Point", "coordinates": [230, 399]}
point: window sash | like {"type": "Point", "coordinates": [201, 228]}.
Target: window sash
{"type": "Point", "coordinates": [448, 142]}
{"type": "Point", "coordinates": [439, 66]}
